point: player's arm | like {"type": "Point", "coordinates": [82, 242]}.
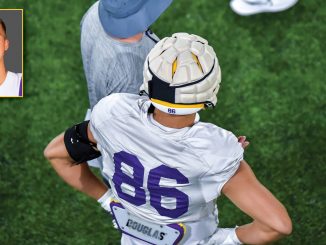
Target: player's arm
{"type": "Point", "coordinates": [68, 153]}
{"type": "Point", "coordinates": [270, 218]}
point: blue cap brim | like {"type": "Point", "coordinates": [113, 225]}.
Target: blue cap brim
{"type": "Point", "coordinates": [135, 23]}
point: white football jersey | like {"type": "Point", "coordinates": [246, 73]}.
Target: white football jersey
{"type": "Point", "coordinates": [10, 86]}
{"type": "Point", "coordinates": [161, 174]}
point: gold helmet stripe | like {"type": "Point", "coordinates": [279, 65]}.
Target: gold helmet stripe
{"type": "Point", "coordinates": [174, 67]}
{"type": "Point", "coordinates": [177, 105]}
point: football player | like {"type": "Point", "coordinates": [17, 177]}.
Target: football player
{"type": "Point", "coordinates": [165, 167]}
{"type": "Point", "coordinates": [114, 44]}
{"type": "Point", "coordinates": [115, 41]}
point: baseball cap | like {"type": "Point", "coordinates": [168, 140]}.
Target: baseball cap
{"type": "Point", "coordinates": [125, 18]}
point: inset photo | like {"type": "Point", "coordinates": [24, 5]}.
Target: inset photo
{"type": "Point", "coordinates": [11, 53]}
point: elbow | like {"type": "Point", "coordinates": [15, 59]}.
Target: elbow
{"type": "Point", "coordinates": [47, 153]}
{"type": "Point", "coordinates": [50, 151]}
{"type": "Point", "coordinates": [283, 226]}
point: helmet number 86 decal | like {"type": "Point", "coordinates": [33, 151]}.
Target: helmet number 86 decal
{"type": "Point", "coordinates": [170, 110]}
{"type": "Point", "coordinates": [156, 192]}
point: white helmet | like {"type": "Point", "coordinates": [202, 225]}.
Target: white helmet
{"type": "Point", "coordinates": [182, 74]}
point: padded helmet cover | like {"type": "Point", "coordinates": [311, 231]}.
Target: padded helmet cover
{"type": "Point", "coordinates": [182, 72]}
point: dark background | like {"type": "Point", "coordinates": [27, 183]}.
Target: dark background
{"type": "Point", "coordinates": [13, 21]}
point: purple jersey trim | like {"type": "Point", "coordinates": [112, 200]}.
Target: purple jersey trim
{"type": "Point", "coordinates": [180, 229]}
{"type": "Point", "coordinates": [20, 88]}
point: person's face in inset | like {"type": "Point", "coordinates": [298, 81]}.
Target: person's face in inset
{"type": "Point", "coordinates": [4, 42]}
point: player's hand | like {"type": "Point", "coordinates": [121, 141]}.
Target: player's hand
{"type": "Point", "coordinates": [105, 201]}
{"type": "Point", "coordinates": [224, 236]}
{"type": "Point", "coordinates": [242, 140]}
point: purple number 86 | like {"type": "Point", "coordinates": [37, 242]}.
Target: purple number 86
{"type": "Point", "coordinates": [156, 192]}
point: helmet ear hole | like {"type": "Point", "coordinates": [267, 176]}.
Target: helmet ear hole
{"type": "Point", "coordinates": [209, 105]}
